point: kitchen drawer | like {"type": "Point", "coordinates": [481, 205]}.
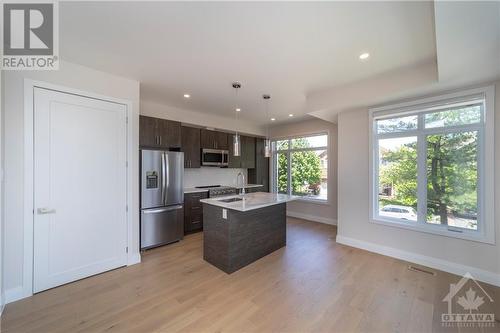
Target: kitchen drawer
{"type": "Point", "coordinates": [193, 211]}
{"type": "Point", "coordinates": [194, 223]}
{"type": "Point", "coordinates": [193, 199]}
{"type": "Point", "coordinates": [161, 226]}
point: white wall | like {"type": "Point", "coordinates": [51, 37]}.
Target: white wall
{"type": "Point", "coordinates": [212, 176]}
{"type": "Point", "coordinates": [320, 212]}
{"type": "Point", "coordinates": [200, 119]}
{"type": "Point", "coordinates": [450, 254]}
{"type": "Point", "coordinates": [71, 76]}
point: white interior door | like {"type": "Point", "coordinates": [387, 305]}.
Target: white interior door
{"type": "Point", "coordinates": [80, 186]}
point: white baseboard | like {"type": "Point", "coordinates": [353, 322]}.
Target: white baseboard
{"type": "Point", "coordinates": [14, 294]}
{"type": "Point", "coordinates": [17, 293]}
{"type": "Point", "coordinates": [133, 258]}
{"type": "Point", "coordinates": [313, 218]}
{"type": "Point", "coordinates": [443, 265]}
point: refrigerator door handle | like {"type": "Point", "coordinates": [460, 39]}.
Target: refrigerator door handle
{"type": "Point", "coordinates": [167, 177]}
{"type": "Point", "coordinates": [161, 210]}
{"type": "Point", "coordinates": [163, 179]}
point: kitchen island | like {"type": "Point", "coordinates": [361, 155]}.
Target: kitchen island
{"type": "Point", "coordinates": [240, 229]}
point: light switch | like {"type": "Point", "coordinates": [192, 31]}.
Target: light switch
{"type": "Point", "coordinates": [224, 213]}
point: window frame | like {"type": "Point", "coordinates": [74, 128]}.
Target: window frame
{"type": "Point", "coordinates": [485, 161]}
{"type": "Point", "coordinates": [288, 152]}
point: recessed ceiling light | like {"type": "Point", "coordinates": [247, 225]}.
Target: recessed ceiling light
{"type": "Point", "coordinates": [187, 95]}
{"type": "Point", "coordinates": [290, 115]}
{"type": "Point", "coordinates": [273, 119]}
{"type": "Point", "coordinates": [364, 56]}
{"type": "Point", "coordinates": [238, 109]}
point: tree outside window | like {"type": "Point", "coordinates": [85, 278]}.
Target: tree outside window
{"type": "Point", "coordinates": [451, 167]}
{"type": "Point", "coordinates": [302, 168]}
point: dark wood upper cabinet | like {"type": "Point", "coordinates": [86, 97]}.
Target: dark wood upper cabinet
{"type": "Point", "coordinates": [190, 142]}
{"type": "Point", "coordinates": [246, 159]}
{"type": "Point", "coordinates": [247, 152]}
{"type": "Point", "coordinates": [166, 134]}
{"type": "Point", "coordinates": [260, 174]}
{"type": "Point", "coordinates": [159, 133]}
{"type": "Point", "coordinates": [169, 133]}
{"type": "Point", "coordinates": [147, 132]}
{"type": "Point", "coordinates": [222, 140]}
{"type": "Point", "coordinates": [207, 139]}
{"type": "Point", "coordinates": [214, 139]}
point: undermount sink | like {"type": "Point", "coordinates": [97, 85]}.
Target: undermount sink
{"type": "Point", "coordinates": [230, 200]}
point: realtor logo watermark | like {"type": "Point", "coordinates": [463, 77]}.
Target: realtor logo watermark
{"type": "Point", "coordinates": [465, 300]}
{"type": "Point", "coordinates": [30, 36]}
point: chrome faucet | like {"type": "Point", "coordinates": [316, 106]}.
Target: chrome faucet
{"type": "Point", "coordinates": [238, 181]}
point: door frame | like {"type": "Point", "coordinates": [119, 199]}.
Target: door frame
{"type": "Point", "coordinates": [28, 255]}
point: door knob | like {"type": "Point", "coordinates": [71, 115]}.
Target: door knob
{"type": "Point", "coordinates": [42, 211]}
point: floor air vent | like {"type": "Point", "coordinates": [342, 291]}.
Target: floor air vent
{"type": "Point", "coordinates": [421, 270]}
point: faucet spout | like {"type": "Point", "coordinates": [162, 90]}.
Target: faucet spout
{"type": "Point", "coordinates": [238, 181]}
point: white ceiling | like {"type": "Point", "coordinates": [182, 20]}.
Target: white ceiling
{"type": "Point", "coordinates": [289, 50]}
{"type": "Point", "coordinates": [468, 53]}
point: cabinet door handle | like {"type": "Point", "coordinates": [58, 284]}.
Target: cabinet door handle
{"type": "Point", "coordinates": [160, 139]}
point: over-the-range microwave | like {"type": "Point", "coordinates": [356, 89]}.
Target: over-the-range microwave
{"type": "Point", "coordinates": [214, 157]}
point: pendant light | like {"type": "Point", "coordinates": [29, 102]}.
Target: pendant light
{"type": "Point", "coordinates": [267, 142]}
{"type": "Point", "coordinates": [236, 136]}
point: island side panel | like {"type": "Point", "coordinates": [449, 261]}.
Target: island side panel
{"type": "Point", "coordinates": [254, 234]}
{"type": "Point", "coordinates": [215, 237]}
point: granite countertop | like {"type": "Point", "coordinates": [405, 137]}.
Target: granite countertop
{"type": "Point", "coordinates": [199, 190]}
{"type": "Point", "coordinates": [251, 201]}
{"type": "Point", "coordinates": [195, 190]}
{"type": "Point", "coordinates": [239, 187]}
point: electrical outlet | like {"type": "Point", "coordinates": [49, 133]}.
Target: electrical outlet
{"type": "Point", "coordinates": [224, 213]}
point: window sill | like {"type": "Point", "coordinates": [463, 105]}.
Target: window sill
{"type": "Point", "coordinates": [314, 201]}
{"type": "Point", "coordinates": [435, 230]}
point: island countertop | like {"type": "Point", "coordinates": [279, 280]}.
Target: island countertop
{"type": "Point", "coordinates": [250, 201]}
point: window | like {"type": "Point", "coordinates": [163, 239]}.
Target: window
{"type": "Point", "coordinates": [300, 166]}
{"type": "Point", "coordinates": [430, 165]}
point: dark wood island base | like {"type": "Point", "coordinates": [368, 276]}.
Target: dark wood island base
{"type": "Point", "coordinates": [243, 237]}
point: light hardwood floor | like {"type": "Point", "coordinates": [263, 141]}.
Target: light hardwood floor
{"type": "Point", "coordinates": [313, 284]}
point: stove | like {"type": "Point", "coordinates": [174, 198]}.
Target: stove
{"type": "Point", "coordinates": [221, 191]}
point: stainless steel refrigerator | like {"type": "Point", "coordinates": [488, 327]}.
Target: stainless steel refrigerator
{"type": "Point", "coordinates": [162, 197]}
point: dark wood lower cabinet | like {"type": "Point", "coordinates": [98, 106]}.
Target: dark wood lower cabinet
{"type": "Point", "coordinates": [193, 211]}
{"type": "Point", "coordinates": [242, 237]}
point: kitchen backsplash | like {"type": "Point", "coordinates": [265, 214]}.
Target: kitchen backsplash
{"type": "Point", "coordinates": [212, 176]}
